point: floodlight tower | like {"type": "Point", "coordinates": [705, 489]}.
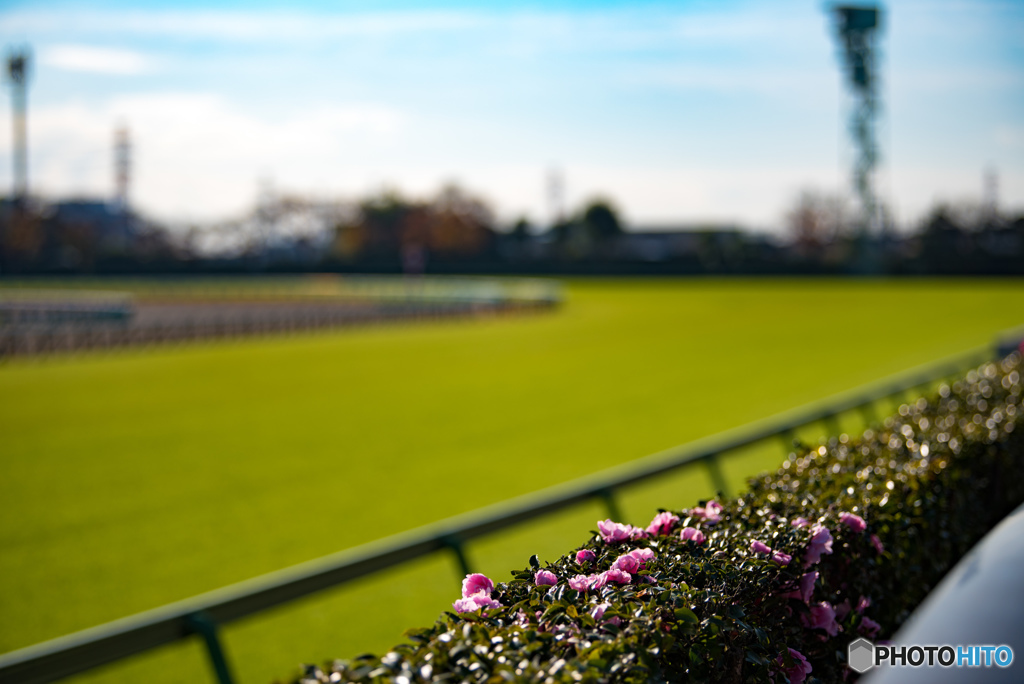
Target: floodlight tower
{"type": "Point", "coordinates": [857, 29]}
{"type": "Point", "coordinates": [122, 166]}
{"type": "Point", "coordinates": [17, 73]}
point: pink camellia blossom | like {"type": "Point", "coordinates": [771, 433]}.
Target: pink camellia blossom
{"type": "Point", "coordinates": [642, 555]}
{"type": "Point", "coordinates": [801, 668]}
{"type": "Point", "coordinates": [692, 534]}
{"type": "Point", "coordinates": [806, 587]}
{"type": "Point", "coordinates": [662, 523]}
{"type": "Point", "coordinates": [475, 602]}
{"type": "Point", "coordinates": [863, 604]}
{"type": "Point", "coordinates": [613, 532]}
{"type": "Point", "coordinates": [781, 558]}
{"type": "Point", "coordinates": [598, 612]}
{"type": "Point", "coordinates": [618, 576]}
{"type": "Point", "coordinates": [579, 583]}
{"type": "Point", "coordinates": [821, 543]}
{"type": "Point", "coordinates": [822, 616]}
{"type": "Point", "coordinates": [759, 547]}
{"type": "Point", "coordinates": [877, 543]}
{"type": "Point", "coordinates": [585, 556]}
{"type": "Point", "coordinates": [626, 563]}
{"type": "Point", "coordinates": [545, 578]}
{"type": "Point", "coordinates": [800, 522]}
{"type": "Point", "coordinates": [854, 522]}
{"type": "Point", "coordinates": [476, 583]}
{"type": "Point", "coordinates": [598, 581]}
{"type": "Point", "coordinates": [842, 610]}
{"type": "Point", "coordinates": [711, 512]}
{"type": "Point", "coordinates": [868, 627]}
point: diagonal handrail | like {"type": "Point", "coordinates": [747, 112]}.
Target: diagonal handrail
{"type": "Point", "coordinates": [202, 614]}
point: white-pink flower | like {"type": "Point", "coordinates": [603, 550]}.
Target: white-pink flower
{"type": "Point", "coordinates": [822, 616]}
{"type": "Point", "coordinates": [618, 576]}
{"type": "Point", "coordinates": [614, 533]}
{"type": "Point", "coordinates": [662, 523]}
{"type": "Point", "coordinates": [854, 522]}
{"type": "Point", "coordinates": [692, 534]}
{"type": "Point", "coordinates": [585, 555]}
{"type": "Point", "coordinates": [642, 555]}
{"type": "Point", "coordinates": [476, 583]}
{"type": "Point", "coordinates": [626, 563]}
{"type": "Point", "coordinates": [711, 512]}
{"type": "Point", "coordinates": [475, 602]}
{"type": "Point", "coordinates": [579, 583]}
{"type": "Point", "coordinates": [545, 578]}
{"type": "Point", "coordinates": [821, 543]}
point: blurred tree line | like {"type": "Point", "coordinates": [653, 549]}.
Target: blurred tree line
{"type": "Point", "coordinates": [456, 232]}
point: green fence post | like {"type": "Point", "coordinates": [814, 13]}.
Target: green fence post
{"type": "Point", "coordinates": [717, 476]}
{"type": "Point", "coordinates": [610, 504]}
{"type": "Point", "coordinates": [455, 544]}
{"type": "Point", "coordinates": [202, 624]}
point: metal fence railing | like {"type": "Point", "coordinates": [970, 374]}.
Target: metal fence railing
{"type": "Point", "coordinates": [203, 614]}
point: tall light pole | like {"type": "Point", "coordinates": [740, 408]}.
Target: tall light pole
{"type": "Point", "coordinates": [17, 73]}
{"type": "Point", "coordinates": [857, 29]}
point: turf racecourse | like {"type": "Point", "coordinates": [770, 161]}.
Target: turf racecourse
{"type": "Point", "coordinates": [136, 478]}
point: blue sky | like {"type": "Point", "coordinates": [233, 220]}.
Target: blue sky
{"type": "Point", "coordinates": [680, 112]}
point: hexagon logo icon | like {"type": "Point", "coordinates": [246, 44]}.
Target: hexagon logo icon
{"type": "Point", "coordinates": [860, 655]}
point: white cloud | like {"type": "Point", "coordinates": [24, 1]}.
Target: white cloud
{"type": "Point", "coordinates": [198, 156]}
{"type": "Point", "coordinates": [97, 60]}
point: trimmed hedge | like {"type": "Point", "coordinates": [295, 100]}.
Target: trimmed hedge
{"type": "Point", "coordinates": [845, 539]}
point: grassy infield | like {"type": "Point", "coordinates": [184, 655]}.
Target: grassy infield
{"type": "Point", "coordinates": [130, 480]}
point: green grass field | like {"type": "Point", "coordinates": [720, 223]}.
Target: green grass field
{"type": "Point", "coordinates": [137, 478]}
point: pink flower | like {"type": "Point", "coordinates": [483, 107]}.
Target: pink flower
{"type": "Point", "coordinates": [626, 563]}
{"type": "Point", "coordinates": [801, 668]}
{"type": "Point", "coordinates": [800, 522]}
{"type": "Point", "coordinates": [613, 532]}
{"type": "Point", "coordinates": [692, 534]}
{"type": "Point", "coordinates": [863, 604]}
{"type": "Point", "coordinates": [711, 512]}
{"type": "Point", "coordinates": [662, 523]}
{"type": "Point", "coordinates": [642, 555]}
{"type": "Point", "coordinates": [854, 522]}
{"type": "Point", "coordinates": [476, 584]}
{"type": "Point", "coordinates": [877, 543]}
{"type": "Point", "coordinates": [781, 558]}
{"type": "Point", "coordinates": [822, 616]}
{"type": "Point", "coordinates": [579, 583]}
{"type": "Point", "coordinates": [475, 602]}
{"type": "Point", "coordinates": [598, 581]}
{"type": "Point", "coordinates": [868, 627]}
{"type": "Point", "coordinates": [759, 547]}
{"type": "Point", "coordinates": [821, 543]}
{"type": "Point", "coordinates": [806, 587]}
{"type": "Point", "coordinates": [842, 610]}
{"type": "Point", "coordinates": [618, 576]}
{"type": "Point", "coordinates": [598, 614]}
{"type": "Point", "coordinates": [545, 578]}
{"type": "Point", "coordinates": [585, 555]}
